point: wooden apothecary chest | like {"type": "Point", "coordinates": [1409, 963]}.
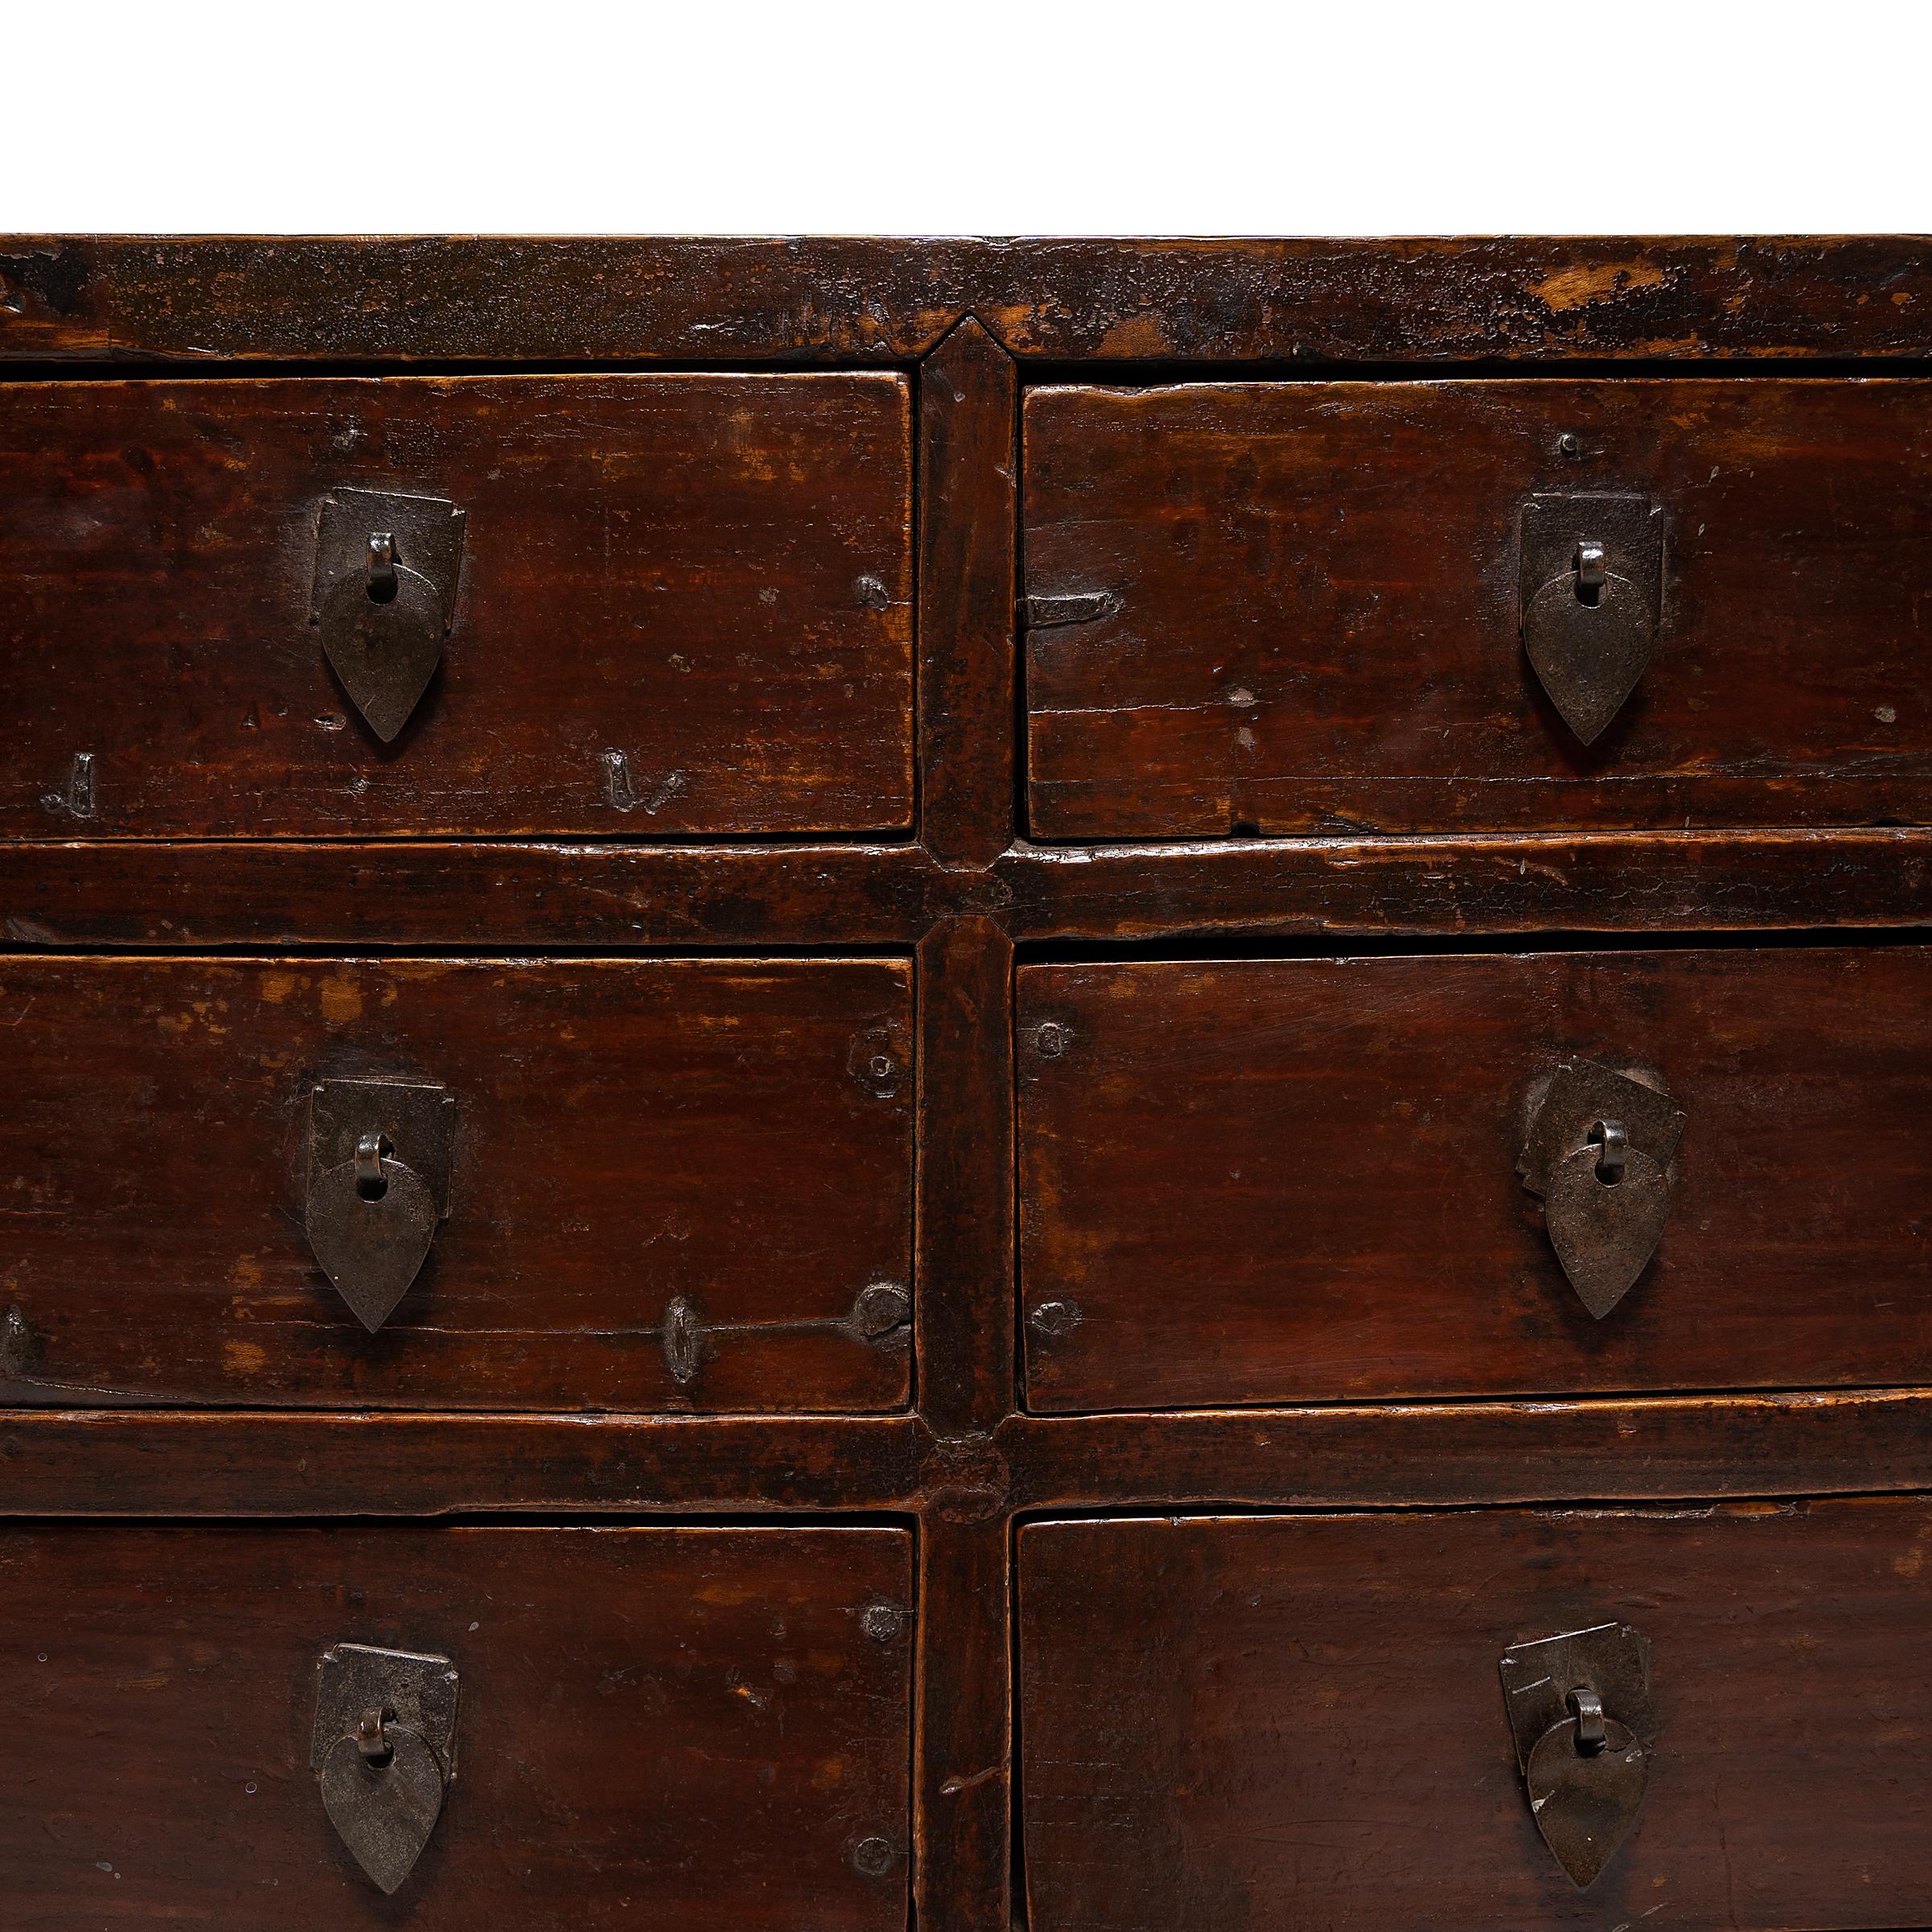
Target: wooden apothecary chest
{"type": "Point", "coordinates": [1077, 1083]}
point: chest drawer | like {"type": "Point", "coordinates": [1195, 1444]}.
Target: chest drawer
{"type": "Point", "coordinates": [685, 1726]}
{"type": "Point", "coordinates": [1290, 1180]}
{"type": "Point", "coordinates": [1300, 607]}
{"type": "Point", "coordinates": [644, 1184]}
{"type": "Point", "coordinates": [1275, 1721]}
{"type": "Point", "coordinates": [643, 605]}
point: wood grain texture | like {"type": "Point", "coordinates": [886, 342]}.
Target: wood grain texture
{"type": "Point", "coordinates": [675, 1723]}
{"type": "Point", "coordinates": [500, 893]}
{"type": "Point", "coordinates": [708, 575]}
{"type": "Point", "coordinates": [1260, 1722]}
{"type": "Point", "coordinates": [964, 1311]}
{"type": "Point", "coordinates": [968, 486]}
{"type": "Point", "coordinates": [289, 1463]}
{"type": "Point", "coordinates": [1538, 299]}
{"type": "Point", "coordinates": [94, 1463]}
{"type": "Point", "coordinates": [1336, 889]}
{"type": "Point", "coordinates": [963, 1787]}
{"type": "Point", "coordinates": [808, 834]}
{"type": "Point", "coordinates": [1318, 627]}
{"type": "Point", "coordinates": [627, 1133]}
{"type": "Point", "coordinates": [1297, 1180]}
{"type": "Point", "coordinates": [1658, 1448]}
{"type": "Point", "coordinates": [519, 895]}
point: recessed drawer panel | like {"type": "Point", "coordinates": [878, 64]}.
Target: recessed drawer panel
{"type": "Point", "coordinates": [1328, 607]}
{"type": "Point", "coordinates": [1248, 1725]}
{"type": "Point", "coordinates": [678, 1727]}
{"type": "Point", "coordinates": [1290, 1180]}
{"type": "Point", "coordinates": [607, 605]}
{"type": "Point", "coordinates": [599, 1183]}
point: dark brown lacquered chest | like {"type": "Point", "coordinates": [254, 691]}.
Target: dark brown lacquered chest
{"type": "Point", "coordinates": [1070, 1085]}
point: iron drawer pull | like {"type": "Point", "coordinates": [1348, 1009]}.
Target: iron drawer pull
{"type": "Point", "coordinates": [1591, 595]}
{"type": "Point", "coordinates": [1583, 1752]}
{"type": "Point", "coordinates": [384, 1752]}
{"type": "Point", "coordinates": [378, 1186]}
{"type": "Point", "coordinates": [1598, 1151]}
{"type": "Point", "coordinates": [384, 596]}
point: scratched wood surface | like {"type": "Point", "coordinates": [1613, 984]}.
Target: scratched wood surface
{"type": "Point", "coordinates": [962, 1768]}
{"type": "Point", "coordinates": [735, 1134]}
{"type": "Point", "coordinates": [1335, 891]}
{"type": "Point", "coordinates": [969, 402]}
{"type": "Point", "coordinates": [1291, 301]}
{"type": "Point", "coordinates": [707, 576]}
{"type": "Point", "coordinates": [545, 894]}
{"type": "Point", "coordinates": [318, 1464]}
{"type": "Point", "coordinates": [1264, 1181]}
{"type": "Point", "coordinates": [1299, 1722]}
{"type": "Point", "coordinates": [1317, 625]}
{"type": "Point", "coordinates": [686, 1724]}
{"type": "Point", "coordinates": [1237, 1724]}
{"type": "Point", "coordinates": [804, 1180]}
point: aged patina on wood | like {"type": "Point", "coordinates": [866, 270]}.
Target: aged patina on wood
{"type": "Point", "coordinates": [1242, 1714]}
{"type": "Point", "coordinates": [888, 391]}
{"type": "Point", "coordinates": [1312, 618]}
{"type": "Point", "coordinates": [1301, 1180]}
{"type": "Point", "coordinates": [685, 603]}
{"type": "Point", "coordinates": [676, 1184]}
{"type": "Point", "coordinates": [705, 1707]}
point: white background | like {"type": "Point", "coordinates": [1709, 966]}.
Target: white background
{"type": "Point", "coordinates": [961, 118]}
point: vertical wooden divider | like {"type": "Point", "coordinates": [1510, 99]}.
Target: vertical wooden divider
{"type": "Point", "coordinates": [969, 467]}
{"type": "Point", "coordinates": [963, 1297]}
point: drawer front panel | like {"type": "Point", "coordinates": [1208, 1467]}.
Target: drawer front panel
{"type": "Point", "coordinates": [1299, 1180]}
{"type": "Point", "coordinates": [1278, 1722]}
{"type": "Point", "coordinates": [682, 1727]}
{"type": "Point", "coordinates": [1311, 595]}
{"type": "Point", "coordinates": [682, 605]}
{"type": "Point", "coordinates": [671, 1184]}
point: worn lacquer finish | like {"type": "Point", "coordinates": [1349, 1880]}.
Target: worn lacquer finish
{"type": "Point", "coordinates": [1273, 1721]}
{"type": "Point", "coordinates": [1261, 1181]}
{"type": "Point", "coordinates": [676, 1184]}
{"type": "Point", "coordinates": [681, 1722]}
{"type": "Point", "coordinates": [1535, 298]}
{"type": "Point", "coordinates": [684, 607]}
{"type": "Point", "coordinates": [1316, 616]}
{"type": "Point", "coordinates": [681, 710]}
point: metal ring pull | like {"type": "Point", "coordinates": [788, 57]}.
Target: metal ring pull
{"type": "Point", "coordinates": [381, 565]}
{"type": "Point", "coordinates": [1612, 1144]}
{"type": "Point", "coordinates": [1586, 1708]}
{"type": "Point", "coordinates": [372, 1737]}
{"type": "Point", "coordinates": [371, 1183]}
